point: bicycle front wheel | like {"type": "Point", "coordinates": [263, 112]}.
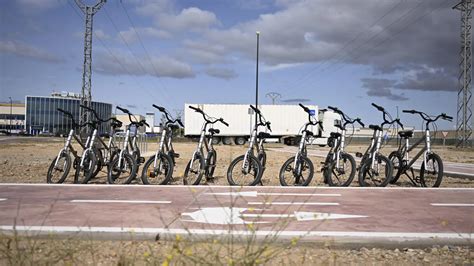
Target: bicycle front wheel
{"type": "Point", "coordinates": [193, 173]}
{"type": "Point", "coordinates": [243, 172]}
{"type": "Point", "coordinates": [58, 172]}
{"type": "Point", "coordinates": [122, 170]}
{"type": "Point", "coordinates": [343, 175]}
{"type": "Point", "coordinates": [300, 175]}
{"type": "Point", "coordinates": [431, 174]}
{"type": "Point", "coordinates": [84, 172]}
{"type": "Point", "coordinates": [159, 175]}
{"type": "Point", "coordinates": [379, 176]}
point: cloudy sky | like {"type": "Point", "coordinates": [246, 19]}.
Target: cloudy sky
{"type": "Point", "coordinates": [345, 53]}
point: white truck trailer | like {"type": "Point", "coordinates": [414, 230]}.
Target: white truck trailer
{"type": "Point", "coordinates": [286, 122]}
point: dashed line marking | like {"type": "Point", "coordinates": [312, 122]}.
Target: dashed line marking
{"type": "Point", "coordinates": [452, 204]}
{"type": "Point", "coordinates": [294, 203]}
{"type": "Point", "coordinates": [124, 201]}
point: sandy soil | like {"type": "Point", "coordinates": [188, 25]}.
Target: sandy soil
{"type": "Point", "coordinates": [26, 160]}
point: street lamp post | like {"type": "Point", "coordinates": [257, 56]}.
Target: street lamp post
{"type": "Point", "coordinates": [256, 81]}
{"type": "Point", "coordinates": [10, 118]}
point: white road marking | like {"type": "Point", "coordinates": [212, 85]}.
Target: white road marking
{"type": "Point", "coordinates": [124, 201]}
{"type": "Point", "coordinates": [227, 216]}
{"type": "Point", "coordinates": [452, 204]}
{"type": "Point", "coordinates": [256, 194]}
{"type": "Point", "coordinates": [294, 203]}
{"type": "Point", "coordinates": [3, 199]}
{"type": "Point", "coordinates": [171, 233]}
{"type": "Point", "coordinates": [195, 188]}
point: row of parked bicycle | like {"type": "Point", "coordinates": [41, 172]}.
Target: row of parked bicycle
{"type": "Point", "coordinates": [339, 167]}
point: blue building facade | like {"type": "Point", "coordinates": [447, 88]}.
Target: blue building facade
{"type": "Point", "coordinates": [41, 115]}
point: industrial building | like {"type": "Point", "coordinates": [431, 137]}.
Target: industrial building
{"type": "Point", "coordinates": [12, 117]}
{"type": "Point", "coordinates": [42, 117]}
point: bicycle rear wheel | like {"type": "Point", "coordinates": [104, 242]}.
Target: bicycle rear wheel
{"type": "Point", "coordinates": [123, 173]}
{"type": "Point", "coordinates": [211, 164]}
{"type": "Point", "coordinates": [397, 163]}
{"type": "Point", "coordinates": [379, 176]}
{"type": "Point", "coordinates": [343, 175]}
{"type": "Point", "coordinates": [431, 174]}
{"type": "Point", "coordinates": [159, 175]}
{"type": "Point", "coordinates": [193, 176]}
{"type": "Point", "coordinates": [242, 173]}
{"type": "Point", "coordinates": [57, 173]}
{"type": "Point", "coordinates": [299, 176]}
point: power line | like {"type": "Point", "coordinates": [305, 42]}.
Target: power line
{"type": "Point", "coordinates": [349, 42]}
{"type": "Point", "coordinates": [113, 55]}
{"type": "Point", "coordinates": [393, 35]}
{"type": "Point", "coordinates": [146, 51]}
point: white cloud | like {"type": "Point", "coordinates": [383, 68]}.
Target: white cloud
{"type": "Point", "coordinates": [38, 5]}
{"type": "Point", "coordinates": [222, 73]}
{"type": "Point", "coordinates": [158, 67]}
{"type": "Point", "coordinates": [130, 35]}
{"type": "Point", "coordinates": [28, 51]}
{"type": "Point", "coordinates": [191, 18]}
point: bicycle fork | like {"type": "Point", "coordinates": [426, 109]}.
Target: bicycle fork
{"type": "Point", "coordinates": [65, 148]}
{"type": "Point", "coordinates": [89, 145]}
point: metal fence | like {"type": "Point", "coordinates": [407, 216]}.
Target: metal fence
{"type": "Point", "coordinates": [142, 143]}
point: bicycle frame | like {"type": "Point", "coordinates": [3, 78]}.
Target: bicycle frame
{"type": "Point", "coordinates": [253, 144]}
{"type": "Point", "coordinates": [203, 142]}
{"type": "Point", "coordinates": [424, 151]}
{"type": "Point", "coordinates": [68, 147]}
{"type": "Point", "coordinates": [166, 144]}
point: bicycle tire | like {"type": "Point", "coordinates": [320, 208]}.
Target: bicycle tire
{"type": "Point", "coordinates": [331, 174]}
{"type": "Point", "coordinates": [211, 164]}
{"type": "Point", "coordinates": [365, 170]}
{"type": "Point", "coordinates": [438, 175]}
{"type": "Point", "coordinates": [164, 161]}
{"type": "Point", "coordinates": [288, 167]}
{"type": "Point", "coordinates": [198, 172]}
{"type": "Point", "coordinates": [65, 171]}
{"type": "Point", "coordinates": [256, 169]}
{"type": "Point", "coordinates": [84, 173]}
{"type": "Point", "coordinates": [99, 162]}
{"type": "Point", "coordinates": [262, 157]}
{"type": "Point", "coordinates": [397, 163]}
{"type": "Point", "coordinates": [127, 163]}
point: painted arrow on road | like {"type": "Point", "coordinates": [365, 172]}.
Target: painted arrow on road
{"type": "Point", "coordinates": [226, 215]}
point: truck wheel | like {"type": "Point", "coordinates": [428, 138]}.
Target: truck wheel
{"type": "Point", "coordinates": [216, 140]}
{"type": "Point", "coordinates": [226, 140]}
{"type": "Point", "coordinates": [240, 140]}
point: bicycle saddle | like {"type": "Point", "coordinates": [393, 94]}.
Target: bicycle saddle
{"type": "Point", "coordinates": [214, 131]}
{"type": "Point", "coordinates": [405, 133]}
{"type": "Point", "coordinates": [309, 133]}
{"type": "Point", "coordinates": [172, 126]}
{"type": "Point", "coordinates": [375, 127]}
{"type": "Point", "coordinates": [335, 134]}
{"type": "Point", "coordinates": [263, 135]}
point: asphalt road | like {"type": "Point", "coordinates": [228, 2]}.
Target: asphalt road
{"type": "Point", "coordinates": [378, 216]}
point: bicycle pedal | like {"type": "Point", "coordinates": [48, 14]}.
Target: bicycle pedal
{"type": "Point", "coordinates": [359, 154]}
{"type": "Point", "coordinates": [176, 155]}
{"type": "Point", "coordinates": [141, 160]}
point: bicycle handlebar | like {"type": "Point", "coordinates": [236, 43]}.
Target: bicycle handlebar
{"type": "Point", "coordinates": [255, 109]}
{"type": "Point", "coordinates": [223, 122]}
{"type": "Point", "coordinates": [380, 108]}
{"type": "Point", "coordinates": [123, 109]}
{"type": "Point", "coordinates": [179, 122]}
{"type": "Point", "coordinates": [163, 110]}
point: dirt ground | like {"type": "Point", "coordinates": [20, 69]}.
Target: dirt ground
{"type": "Point", "coordinates": [26, 160]}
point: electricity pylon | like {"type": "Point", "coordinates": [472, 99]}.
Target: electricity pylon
{"type": "Point", "coordinates": [274, 96]}
{"type": "Point", "coordinates": [86, 99]}
{"type": "Point", "coordinates": [464, 104]}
